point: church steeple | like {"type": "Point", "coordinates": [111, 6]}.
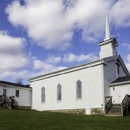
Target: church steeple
{"type": "Point", "coordinates": [108, 46]}
{"type": "Point", "coordinates": [107, 33]}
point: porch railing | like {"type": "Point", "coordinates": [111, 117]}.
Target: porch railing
{"type": "Point", "coordinates": [14, 102]}
{"type": "Point", "coordinates": [125, 105]}
{"type": "Point", "coordinates": [108, 103]}
{"type": "Point", "coordinates": [8, 102]}
{"type": "Point", "coordinates": [2, 98]}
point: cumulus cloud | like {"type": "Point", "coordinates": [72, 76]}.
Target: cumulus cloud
{"type": "Point", "coordinates": [12, 55]}
{"type": "Point", "coordinates": [15, 62]}
{"type": "Point", "coordinates": [52, 63]}
{"type": "Point", "coordinates": [69, 58]}
{"type": "Point", "coordinates": [38, 64]}
{"type": "Point", "coordinates": [53, 59]}
{"type": "Point", "coordinates": [120, 13]}
{"type": "Point", "coordinates": [44, 21]}
{"type": "Point", "coordinates": [45, 67]}
{"type": "Point", "coordinates": [126, 45]}
{"type": "Point", "coordinates": [15, 74]}
{"type": "Point", "coordinates": [51, 23]}
{"type": "Point", "coordinates": [128, 62]}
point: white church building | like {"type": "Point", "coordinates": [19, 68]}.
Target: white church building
{"type": "Point", "coordinates": [98, 87]}
{"type": "Point", "coordinates": [91, 88]}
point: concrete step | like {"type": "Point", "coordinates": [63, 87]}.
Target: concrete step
{"type": "Point", "coordinates": [115, 110]}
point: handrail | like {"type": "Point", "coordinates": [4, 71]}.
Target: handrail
{"type": "Point", "coordinates": [124, 105]}
{"type": "Point", "coordinates": [2, 98]}
{"type": "Point", "coordinates": [15, 103]}
{"type": "Point", "coordinates": [8, 101]}
{"type": "Point", "coordinates": [108, 103]}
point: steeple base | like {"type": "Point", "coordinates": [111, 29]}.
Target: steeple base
{"type": "Point", "coordinates": [108, 48]}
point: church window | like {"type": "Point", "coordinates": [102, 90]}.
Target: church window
{"type": "Point", "coordinates": [17, 93]}
{"type": "Point", "coordinates": [58, 92]}
{"type": "Point", "coordinates": [79, 89]}
{"type": "Point", "coordinates": [43, 94]}
{"type": "Point", "coordinates": [113, 88]}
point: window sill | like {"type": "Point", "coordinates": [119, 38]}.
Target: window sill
{"type": "Point", "coordinates": [43, 102]}
{"type": "Point", "coordinates": [79, 99]}
{"type": "Point", "coordinates": [59, 101]}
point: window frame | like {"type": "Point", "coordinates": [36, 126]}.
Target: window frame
{"type": "Point", "coordinates": [59, 92]}
{"type": "Point", "coordinates": [78, 90]}
{"type": "Point", "coordinates": [17, 92]}
{"type": "Point", "coordinates": [43, 95]}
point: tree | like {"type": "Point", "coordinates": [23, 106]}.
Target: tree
{"type": "Point", "coordinates": [19, 80]}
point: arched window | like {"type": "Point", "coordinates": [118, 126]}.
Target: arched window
{"type": "Point", "coordinates": [43, 94]}
{"type": "Point", "coordinates": [58, 92]}
{"type": "Point", "coordinates": [79, 89]}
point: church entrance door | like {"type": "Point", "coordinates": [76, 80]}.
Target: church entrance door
{"type": "Point", "coordinates": [122, 93]}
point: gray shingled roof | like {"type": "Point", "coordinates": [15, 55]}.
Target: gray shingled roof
{"type": "Point", "coordinates": [122, 79]}
{"type": "Point", "coordinates": [14, 84]}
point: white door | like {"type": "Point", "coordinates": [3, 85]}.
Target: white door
{"type": "Point", "coordinates": [4, 91]}
{"type": "Point", "coordinates": [122, 93]}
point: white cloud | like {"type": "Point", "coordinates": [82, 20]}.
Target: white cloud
{"type": "Point", "coordinates": [45, 67]}
{"type": "Point", "coordinates": [53, 59]}
{"type": "Point", "coordinates": [120, 13]}
{"type": "Point", "coordinates": [15, 74]}
{"type": "Point", "coordinates": [52, 63]}
{"type": "Point", "coordinates": [12, 55]}
{"type": "Point", "coordinates": [51, 23]}
{"type": "Point", "coordinates": [44, 20]}
{"type": "Point", "coordinates": [69, 58]}
{"type": "Point", "coordinates": [128, 62]}
{"type": "Point", "coordinates": [38, 64]}
{"type": "Point", "coordinates": [126, 45]}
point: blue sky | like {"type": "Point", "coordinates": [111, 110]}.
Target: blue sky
{"type": "Point", "coordinates": [41, 36]}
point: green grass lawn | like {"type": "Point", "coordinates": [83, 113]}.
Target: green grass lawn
{"type": "Point", "coordinates": [34, 120]}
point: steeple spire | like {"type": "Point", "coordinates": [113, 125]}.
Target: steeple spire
{"type": "Point", "coordinates": [107, 33]}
